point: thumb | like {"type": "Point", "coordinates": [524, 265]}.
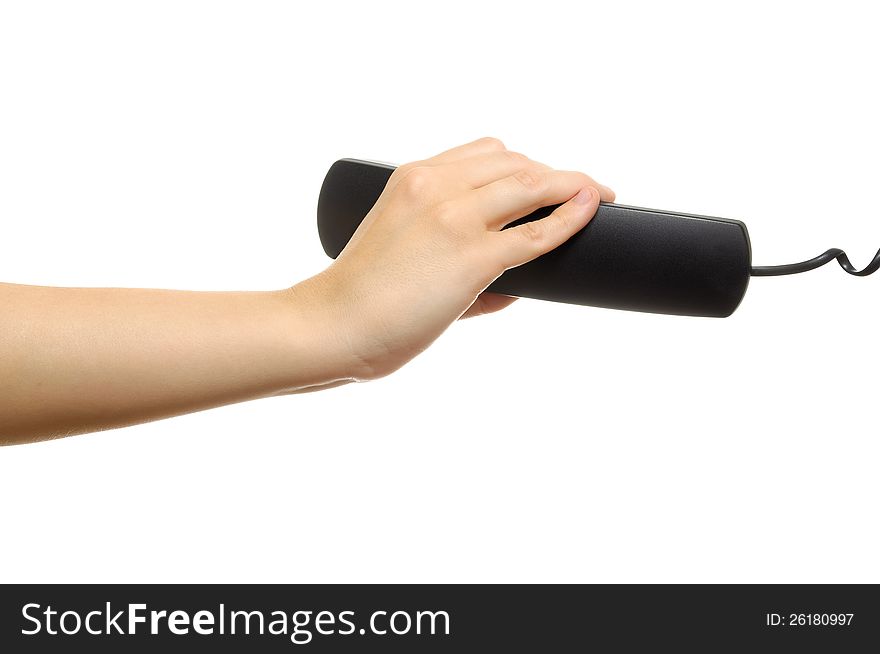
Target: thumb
{"type": "Point", "coordinates": [530, 240]}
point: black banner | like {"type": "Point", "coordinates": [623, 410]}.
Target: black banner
{"type": "Point", "coordinates": [439, 618]}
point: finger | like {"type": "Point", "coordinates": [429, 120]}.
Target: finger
{"type": "Point", "coordinates": [513, 197]}
{"type": "Point", "coordinates": [606, 193]}
{"type": "Point", "coordinates": [530, 240]}
{"type": "Point", "coordinates": [487, 302]}
{"type": "Point", "coordinates": [487, 167]}
{"type": "Point", "coordinates": [485, 145]}
{"type": "Point", "coordinates": [480, 146]}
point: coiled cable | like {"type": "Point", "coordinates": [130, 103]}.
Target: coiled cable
{"type": "Point", "coordinates": [821, 260]}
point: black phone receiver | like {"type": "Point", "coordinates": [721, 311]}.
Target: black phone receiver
{"type": "Point", "coordinates": [625, 258]}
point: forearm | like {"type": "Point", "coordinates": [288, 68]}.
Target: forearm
{"type": "Point", "coordinates": [75, 360]}
{"type": "Point", "coordinates": [80, 359]}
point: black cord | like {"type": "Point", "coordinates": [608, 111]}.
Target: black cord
{"type": "Point", "coordinates": [821, 260]}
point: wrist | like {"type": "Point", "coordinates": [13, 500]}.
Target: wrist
{"type": "Point", "coordinates": [324, 336]}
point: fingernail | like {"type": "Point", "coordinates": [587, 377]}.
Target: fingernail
{"type": "Point", "coordinates": [584, 196]}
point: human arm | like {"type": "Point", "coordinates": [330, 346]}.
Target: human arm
{"type": "Point", "coordinates": [74, 360]}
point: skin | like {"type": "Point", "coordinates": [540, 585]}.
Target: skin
{"type": "Point", "coordinates": [74, 360]}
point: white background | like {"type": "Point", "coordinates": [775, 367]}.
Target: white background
{"type": "Point", "coordinates": [183, 144]}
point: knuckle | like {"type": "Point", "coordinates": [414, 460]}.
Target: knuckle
{"type": "Point", "coordinates": [532, 231]}
{"type": "Point", "coordinates": [532, 179]}
{"type": "Point", "coordinates": [401, 170]}
{"type": "Point", "coordinates": [446, 214]}
{"type": "Point", "coordinates": [561, 220]}
{"type": "Point", "coordinates": [416, 180]}
{"type": "Point", "coordinates": [584, 180]}
{"type": "Point", "coordinates": [491, 143]}
{"type": "Point", "coordinates": [516, 157]}
{"type": "Point", "coordinates": [448, 219]}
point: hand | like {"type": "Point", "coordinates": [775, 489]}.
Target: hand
{"type": "Point", "coordinates": [433, 242]}
{"type": "Point", "coordinates": [79, 359]}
